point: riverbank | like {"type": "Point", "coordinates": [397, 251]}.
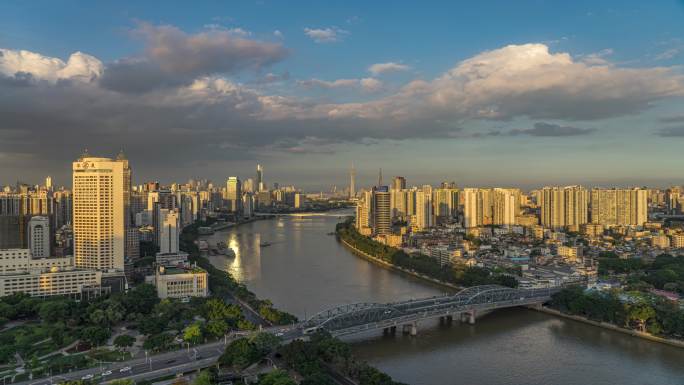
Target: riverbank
{"type": "Point", "coordinates": [390, 266]}
{"type": "Point", "coordinates": [609, 326]}
{"type": "Point", "coordinates": [634, 333]}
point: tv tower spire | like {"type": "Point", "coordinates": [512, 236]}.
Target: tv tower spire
{"type": "Point", "coordinates": [352, 181]}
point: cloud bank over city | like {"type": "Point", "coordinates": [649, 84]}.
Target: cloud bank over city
{"type": "Point", "coordinates": [219, 94]}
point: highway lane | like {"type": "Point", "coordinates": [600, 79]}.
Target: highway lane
{"type": "Point", "coordinates": [163, 364]}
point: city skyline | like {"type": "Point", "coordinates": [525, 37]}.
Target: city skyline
{"type": "Point", "coordinates": [210, 93]}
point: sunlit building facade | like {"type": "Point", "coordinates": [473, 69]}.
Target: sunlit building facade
{"type": "Point", "coordinates": [101, 192]}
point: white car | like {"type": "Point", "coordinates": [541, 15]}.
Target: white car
{"type": "Point", "coordinates": [279, 334]}
{"type": "Point", "coordinates": [125, 369]}
{"type": "Point", "coordinates": [87, 377]}
{"type": "Point", "coordinates": [107, 373]}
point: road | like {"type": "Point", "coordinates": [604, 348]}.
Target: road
{"type": "Point", "coordinates": [164, 364]}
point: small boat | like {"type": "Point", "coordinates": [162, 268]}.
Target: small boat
{"type": "Point", "coordinates": [265, 244]}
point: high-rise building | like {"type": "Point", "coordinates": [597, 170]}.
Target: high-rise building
{"type": "Point", "coordinates": [63, 208]}
{"type": "Point", "coordinates": [619, 207]}
{"type": "Point", "coordinates": [424, 217]}
{"type": "Point", "coordinates": [399, 204]}
{"type": "Point", "coordinates": [364, 213]}
{"type": "Point", "coordinates": [445, 204]}
{"type": "Point", "coordinates": [564, 206]}
{"type": "Point", "coordinates": [169, 231]}
{"type": "Point", "coordinates": [48, 183]}
{"type": "Point", "coordinates": [261, 186]}
{"type": "Point", "coordinates": [382, 220]}
{"type": "Point", "coordinates": [39, 237]}
{"type": "Point", "coordinates": [234, 194]}
{"type": "Point", "coordinates": [399, 183]}
{"type": "Point", "coordinates": [10, 220]}
{"type": "Point", "coordinates": [101, 193]}
{"type": "Point", "coordinates": [248, 185]}
{"type": "Point", "coordinates": [477, 207]}
{"type": "Point", "coordinates": [504, 207]}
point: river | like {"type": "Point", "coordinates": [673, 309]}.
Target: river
{"type": "Point", "coordinates": [304, 271]}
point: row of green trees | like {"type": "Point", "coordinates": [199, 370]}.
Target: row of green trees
{"type": "Point", "coordinates": [423, 264]}
{"type": "Point", "coordinates": [633, 310]}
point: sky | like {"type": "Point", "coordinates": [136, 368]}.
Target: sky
{"type": "Point", "coordinates": [487, 93]}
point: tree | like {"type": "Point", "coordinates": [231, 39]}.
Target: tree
{"type": "Point", "coordinates": [95, 335]}
{"type": "Point", "coordinates": [239, 353]}
{"type": "Point", "coordinates": [122, 382]}
{"type": "Point", "coordinates": [217, 327]}
{"type": "Point", "coordinates": [193, 333]}
{"type": "Point", "coordinates": [317, 379]}
{"type": "Point", "coordinates": [204, 378]}
{"type": "Point", "coordinates": [124, 341]}
{"type": "Point", "coordinates": [640, 313]}
{"type": "Point", "coordinates": [277, 377]}
{"type": "Point", "coordinates": [53, 311]}
{"type": "Point", "coordinates": [158, 342]}
{"type": "Point", "coordinates": [265, 342]}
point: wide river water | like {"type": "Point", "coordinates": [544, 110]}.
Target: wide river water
{"type": "Point", "coordinates": [305, 270]}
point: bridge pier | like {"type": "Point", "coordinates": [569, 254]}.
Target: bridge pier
{"type": "Point", "coordinates": [411, 328]}
{"type": "Point", "coordinates": [390, 331]}
{"type": "Point", "coordinates": [468, 316]}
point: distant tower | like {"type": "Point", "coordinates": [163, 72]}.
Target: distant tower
{"type": "Point", "coordinates": [380, 178]}
{"type": "Point", "coordinates": [48, 183]}
{"type": "Point", "coordinates": [352, 182]}
{"type": "Point", "coordinates": [260, 178]}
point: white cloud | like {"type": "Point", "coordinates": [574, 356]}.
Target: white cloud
{"type": "Point", "coordinates": [381, 68]}
{"type": "Point", "coordinates": [325, 35]}
{"type": "Point", "coordinates": [525, 80]}
{"type": "Point", "coordinates": [598, 57]}
{"type": "Point", "coordinates": [278, 34]}
{"type": "Point", "coordinates": [366, 84]}
{"type": "Point", "coordinates": [80, 66]}
{"type": "Point", "coordinates": [370, 84]}
{"type": "Point", "coordinates": [668, 54]}
{"type": "Point", "coordinates": [329, 84]}
{"type": "Point", "coordinates": [209, 108]}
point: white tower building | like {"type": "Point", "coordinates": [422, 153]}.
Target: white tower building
{"type": "Point", "coordinates": [101, 194]}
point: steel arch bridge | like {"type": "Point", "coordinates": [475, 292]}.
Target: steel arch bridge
{"type": "Point", "coordinates": [359, 317]}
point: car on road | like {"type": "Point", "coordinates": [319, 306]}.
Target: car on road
{"type": "Point", "coordinates": [87, 377]}
{"type": "Point", "coordinates": [125, 369]}
{"type": "Point", "coordinates": [171, 361]}
{"type": "Point", "coordinates": [279, 334]}
{"type": "Point", "coordinates": [107, 373]}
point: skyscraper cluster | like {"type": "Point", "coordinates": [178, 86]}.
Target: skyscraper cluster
{"type": "Point", "coordinates": [425, 207]}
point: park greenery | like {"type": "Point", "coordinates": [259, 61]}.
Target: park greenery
{"type": "Point", "coordinates": [243, 352]}
{"type": "Point", "coordinates": [634, 306]}
{"type": "Point", "coordinates": [315, 358]}
{"type": "Point", "coordinates": [665, 272]}
{"type": "Point", "coordinates": [223, 285]}
{"type": "Point", "coordinates": [458, 274]}
{"type": "Point", "coordinates": [628, 309]}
